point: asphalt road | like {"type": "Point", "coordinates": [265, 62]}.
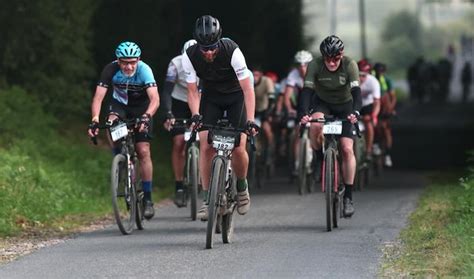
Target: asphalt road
{"type": "Point", "coordinates": [283, 236]}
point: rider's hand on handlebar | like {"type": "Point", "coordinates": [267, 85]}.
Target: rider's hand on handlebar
{"type": "Point", "coordinates": [93, 129]}
{"type": "Point", "coordinates": [169, 121]}
{"type": "Point", "coordinates": [252, 128]}
{"type": "Point", "coordinates": [353, 117]}
{"type": "Point", "coordinates": [196, 121]}
{"type": "Point", "coordinates": [144, 123]}
{"type": "Point", "coordinates": [375, 120]}
{"type": "Point", "coordinates": [305, 119]}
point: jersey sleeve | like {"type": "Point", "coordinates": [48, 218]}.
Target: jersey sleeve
{"type": "Point", "coordinates": [189, 70]}
{"type": "Point", "coordinates": [292, 79]}
{"type": "Point", "coordinates": [238, 63]}
{"type": "Point", "coordinates": [107, 74]}
{"type": "Point", "coordinates": [310, 75]}
{"type": "Point", "coordinates": [147, 76]}
{"type": "Point", "coordinates": [353, 74]}
{"type": "Point", "coordinates": [376, 87]}
{"type": "Point", "coordinates": [172, 72]}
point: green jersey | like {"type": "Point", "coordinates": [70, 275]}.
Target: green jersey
{"type": "Point", "coordinates": [332, 87]}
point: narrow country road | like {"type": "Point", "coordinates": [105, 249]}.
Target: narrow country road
{"type": "Point", "coordinates": [283, 236]}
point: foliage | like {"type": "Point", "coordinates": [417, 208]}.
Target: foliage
{"type": "Point", "coordinates": [41, 178]}
{"type": "Point", "coordinates": [45, 48]}
{"type": "Point", "coordinates": [161, 27]}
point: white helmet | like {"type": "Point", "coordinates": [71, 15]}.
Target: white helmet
{"type": "Point", "coordinates": [303, 57]}
{"type": "Point", "coordinates": [188, 44]}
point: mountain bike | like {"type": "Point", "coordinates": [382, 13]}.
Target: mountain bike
{"type": "Point", "coordinates": [260, 165]}
{"type": "Point", "coordinates": [363, 166]}
{"type": "Point", "coordinates": [222, 188]}
{"type": "Point", "coordinates": [191, 167]}
{"type": "Point", "coordinates": [304, 162]}
{"type": "Point", "coordinates": [127, 195]}
{"type": "Point", "coordinates": [331, 177]}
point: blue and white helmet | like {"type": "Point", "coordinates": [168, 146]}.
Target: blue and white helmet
{"type": "Point", "coordinates": [128, 50]}
{"type": "Point", "coordinates": [188, 44]}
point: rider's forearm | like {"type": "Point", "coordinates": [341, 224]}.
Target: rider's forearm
{"type": "Point", "coordinates": [97, 103]}
{"type": "Point", "coordinates": [287, 98]}
{"type": "Point", "coordinates": [376, 107]}
{"type": "Point", "coordinates": [166, 96]}
{"type": "Point", "coordinates": [154, 97]}
{"type": "Point", "coordinates": [249, 98]}
{"type": "Point", "coordinates": [356, 98]}
{"type": "Point", "coordinates": [304, 102]}
{"type": "Point", "coordinates": [193, 99]}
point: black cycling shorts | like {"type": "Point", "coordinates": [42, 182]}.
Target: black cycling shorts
{"type": "Point", "coordinates": [367, 110]}
{"type": "Point", "coordinates": [213, 104]}
{"type": "Point", "coordinates": [180, 109]}
{"type": "Point", "coordinates": [337, 110]}
{"type": "Point", "coordinates": [131, 112]}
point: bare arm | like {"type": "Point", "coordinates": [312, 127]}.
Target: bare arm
{"type": "Point", "coordinates": [194, 98]}
{"type": "Point", "coordinates": [249, 98]}
{"type": "Point", "coordinates": [287, 95]}
{"type": "Point", "coordinates": [97, 102]}
{"type": "Point", "coordinates": [154, 97]}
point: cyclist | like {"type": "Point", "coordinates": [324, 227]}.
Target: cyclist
{"type": "Point", "coordinates": [294, 85]}
{"type": "Point", "coordinates": [387, 109]}
{"type": "Point", "coordinates": [134, 95]}
{"type": "Point", "coordinates": [295, 80]}
{"type": "Point", "coordinates": [264, 103]}
{"type": "Point", "coordinates": [370, 90]}
{"type": "Point", "coordinates": [226, 86]}
{"type": "Point", "coordinates": [334, 78]}
{"type": "Point", "coordinates": [175, 103]}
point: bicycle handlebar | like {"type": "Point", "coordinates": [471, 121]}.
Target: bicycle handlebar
{"type": "Point", "coordinates": [129, 122]}
{"type": "Point", "coordinates": [330, 119]}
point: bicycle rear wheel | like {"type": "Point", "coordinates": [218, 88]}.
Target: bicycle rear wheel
{"type": "Point", "coordinates": [217, 182]}
{"type": "Point", "coordinates": [123, 195]}
{"type": "Point", "coordinates": [140, 209]}
{"type": "Point", "coordinates": [328, 183]}
{"type": "Point", "coordinates": [193, 181]}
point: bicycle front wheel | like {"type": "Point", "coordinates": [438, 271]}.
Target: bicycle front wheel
{"type": "Point", "coordinates": [216, 184]}
{"type": "Point", "coordinates": [227, 219]}
{"type": "Point", "coordinates": [328, 183]}
{"type": "Point", "coordinates": [302, 170]}
{"type": "Point", "coordinates": [194, 180]}
{"type": "Point", "coordinates": [123, 195]}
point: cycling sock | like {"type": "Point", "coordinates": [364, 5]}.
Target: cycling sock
{"type": "Point", "coordinates": [116, 150]}
{"type": "Point", "coordinates": [348, 191]}
{"type": "Point", "coordinates": [146, 185]}
{"type": "Point", "coordinates": [205, 193]}
{"type": "Point", "coordinates": [179, 185]}
{"type": "Point", "coordinates": [388, 151]}
{"type": "Point", "coordinates": [241, 184]}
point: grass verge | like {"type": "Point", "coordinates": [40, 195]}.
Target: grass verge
{"type": "Point", "coordinates": [52, 182]}
{"type": "Point", "coordinates": [439, 240]}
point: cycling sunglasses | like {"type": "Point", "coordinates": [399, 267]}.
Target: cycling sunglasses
{"type": "Point", "coordinates": [209, 47]}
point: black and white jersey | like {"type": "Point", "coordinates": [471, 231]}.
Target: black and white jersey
{"type": "Point", "coordinates": [222, 74]}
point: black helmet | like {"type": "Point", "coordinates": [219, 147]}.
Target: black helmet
{"type": "Point", "coordinates": [207, 30]}
{"type": "Point", "coordinates": [380, 67]}
{"type": "Point", "coordinates": [331, 46]}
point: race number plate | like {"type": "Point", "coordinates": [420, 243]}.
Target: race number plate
{"type": "Point", "coordinates": [332, 128]}
{"type": "Point", "coordinates": [119, 131]}
{"type": "Point", "coordinates": [223, 143]}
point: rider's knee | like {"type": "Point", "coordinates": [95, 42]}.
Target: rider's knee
{"type": "Point", "coordinates": [347, 150]}
{"type": "Point", "coordinates": [143, 151]}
